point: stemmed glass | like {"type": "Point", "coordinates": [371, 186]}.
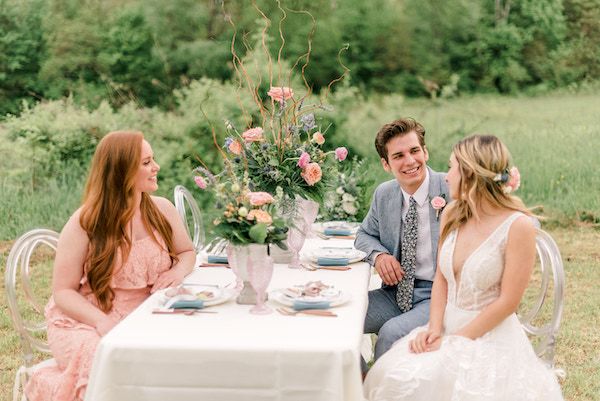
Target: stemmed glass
{"type": "Point", "coordinates": [295, 241]}
{"type": "Point", "coordinates": [233, 263]}
{"type": "Point", "coordinates": [260, 273]}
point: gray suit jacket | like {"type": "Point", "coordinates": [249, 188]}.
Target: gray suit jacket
{"type": "Point", "coordinates": [381, 228]}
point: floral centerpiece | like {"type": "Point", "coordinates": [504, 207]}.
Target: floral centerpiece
{"type": "Point", "coordinates": [245, 216]}
{"type": "Point", "coordinates": [287, 153]}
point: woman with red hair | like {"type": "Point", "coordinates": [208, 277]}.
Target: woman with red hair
{"type": "Point", "coordinates": [121, 245]}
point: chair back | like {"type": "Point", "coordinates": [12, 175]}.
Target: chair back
{"type": "Point", "coordinates": [183, 201]}
{"type": "Point", "coordinates": [27, 275]}
{"type": "Point", "coordinates": [541, 320]}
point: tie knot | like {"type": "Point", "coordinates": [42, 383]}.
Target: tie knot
{"type": "Point", "coordinates": [412, 201]}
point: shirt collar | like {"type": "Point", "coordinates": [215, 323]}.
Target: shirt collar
{"type": "Point", "coordinates": [420, 194]}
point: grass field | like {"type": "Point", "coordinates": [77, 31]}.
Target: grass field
{"type": "Point", "coordinates": [554, 141]}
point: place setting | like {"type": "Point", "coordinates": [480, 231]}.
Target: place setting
{"type": "Point", "coordinates": [331, 258]}
{"type": "Point", "coordinates": [314, 298]}
{"type": "Point", "coordinates": [335, 229]}
{"type": "Point", "coordinates": [190, 299]}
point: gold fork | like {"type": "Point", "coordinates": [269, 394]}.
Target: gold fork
{"type": "Point", "coordinates": [314, 312]}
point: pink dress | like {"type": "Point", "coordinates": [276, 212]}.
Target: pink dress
{"type": "Point", "coordinates": [73, 343]}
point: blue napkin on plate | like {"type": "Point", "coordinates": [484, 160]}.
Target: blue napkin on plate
{"type": "Point", "coordinates": [337, 231]}
{"type": "Point", "coordinates": [302, 305]}
{"type": "Point", "coordinates": [323, 261]}
{"type": "Point", "coordinates": [188, 304]}
{"type": "Point", "coordinates": [217, 259]}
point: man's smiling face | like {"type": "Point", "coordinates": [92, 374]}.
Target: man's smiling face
{"type": "Point", "coordinates": [407, 160]}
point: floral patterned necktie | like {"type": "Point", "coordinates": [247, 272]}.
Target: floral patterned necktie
{"type": "Point", "coordinates": [404, 292]}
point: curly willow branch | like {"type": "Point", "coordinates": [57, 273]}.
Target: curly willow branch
{"type": "Point", "coordinates": [346, 70]}
{"type": "Point", "coordinates": [240, 70]}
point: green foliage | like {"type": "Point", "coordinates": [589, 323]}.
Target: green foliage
{"type": "Point", "coordinates": [146, 50]}
{"type": "Point", "coordinates": [128, 60]}
{"type": "Point", "coordinates": [21, 50]}
{"type": "Point", "coordinates": [350, 196]}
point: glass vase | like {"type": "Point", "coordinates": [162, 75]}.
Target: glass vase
{"type": "Point", "coordinates": [243, 259]}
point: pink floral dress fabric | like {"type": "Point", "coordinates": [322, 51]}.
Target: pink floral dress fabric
{"type": "Point", "coordinates": [73, 343]}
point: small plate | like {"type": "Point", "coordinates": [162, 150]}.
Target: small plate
{"type": "Point", "coordinates": [280, 296]}
{"type": "Point", "coordinates": [210, 295]}
{"type": "Point", "coordinates": [336, 225]}
{"type": "Point", "coordinates": [353, 255]}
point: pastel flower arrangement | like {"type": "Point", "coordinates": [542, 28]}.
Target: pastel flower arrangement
{"type": "Point", "coordinates": [245, 216]}
{"type": "Point", "coordinates": [347, 200]}
{"type": "Point", "coordinates": [287, 153]}
{"type": "Point", "coordinates": [510, 179]}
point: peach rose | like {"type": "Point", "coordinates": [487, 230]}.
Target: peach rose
{"type": "Point", "coordinates": [259, 198]}
{"type": "Point", "coordinates": [279, 94]}
{"type": "Point", "coordinates": [253, 135]}
{"type": "Point", "coordinates": [235, 147]}
{"type": "Point", "coordinates": [261, 216]}
{"type": "Point", "coordinates": [318, 138]}
{"type": "Point", "coordinates": [312, 173]}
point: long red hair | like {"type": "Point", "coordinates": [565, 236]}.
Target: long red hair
{"type": "Point", "coordinates": [108, 207]}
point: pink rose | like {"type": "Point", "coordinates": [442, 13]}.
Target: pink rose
{"type": "Point", "coordinates": [514, 182]}
{"type": "Point", "coordinates": [200, 182]}
{"type": "Point", "coordinates": [318, 138]}
{"type": "Point", "coordinates": [280, 94]}
{"type": "Point", "coordinates": [312, 173]}
{"type": "Point", "coordinates": [261, 216]}
{"type": "Point", "coordinates": [341, 154]}
{"type": "Point", "coordinates": [260, 198]}
{"type": "Point", "coordinates": [253, 135]}
{"type": "Point", "coordinates": [304, 160]}
{"type": "Point", "coordinates": [438, 203]}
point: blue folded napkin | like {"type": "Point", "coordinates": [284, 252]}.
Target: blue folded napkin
{"type": "Point", "coordinates": [337, 231]}
{"type": "Point", "coordinates": [302, 305]}
{"type": "Point", "coordinates": [217, 259]}
{"type": "Point", "coordinates": [332, 261]}
{"type": "Point", "coordinates": [188, 304]}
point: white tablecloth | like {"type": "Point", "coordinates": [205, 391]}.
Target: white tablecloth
{"type": "Point", "coordinates": [235, 355]}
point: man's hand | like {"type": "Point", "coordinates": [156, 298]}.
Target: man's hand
{"type": "Point", "coordinates": [389, 269]}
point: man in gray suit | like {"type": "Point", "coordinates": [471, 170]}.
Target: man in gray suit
{"type": "Point", "coordinates": [400, 234]}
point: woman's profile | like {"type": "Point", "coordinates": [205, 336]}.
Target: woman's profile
{"type": "Point", "coordinates": [121, 245]}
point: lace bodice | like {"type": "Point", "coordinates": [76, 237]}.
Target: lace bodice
{"type": "Point", "coordinates": [479, 280]}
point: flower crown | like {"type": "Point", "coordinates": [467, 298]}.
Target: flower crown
{"type": "Point", "coordinates": [509, 179]}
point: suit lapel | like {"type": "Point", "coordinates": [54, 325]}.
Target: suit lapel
{"type": "Point", "coordinates": [435, 189]}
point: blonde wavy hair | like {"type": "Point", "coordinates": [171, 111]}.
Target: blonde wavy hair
{"type": "Point", "coordinates": [481, 158]}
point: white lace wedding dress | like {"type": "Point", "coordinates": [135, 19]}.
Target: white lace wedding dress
{"type": "Point", "coordinates": [501, 365]}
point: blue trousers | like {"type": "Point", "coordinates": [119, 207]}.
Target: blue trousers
{"type": "Point", "coordinates": [386, 320]}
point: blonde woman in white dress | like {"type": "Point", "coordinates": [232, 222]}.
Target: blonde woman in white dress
{"type": "Point", "coordinates": [473, 347]}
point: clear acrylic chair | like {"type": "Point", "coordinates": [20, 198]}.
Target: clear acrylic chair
{"type": "Point", "coordinates": [28, 284]}
{"type": "Point", "coordinates": [183, 201]}
{"type": "Point", "coordinates": [541, 312]}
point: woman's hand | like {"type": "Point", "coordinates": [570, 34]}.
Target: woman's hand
{"type": "Point", "coordinates": [425, 341]}
{"type": "Point", "coordinates": [105, 325]}
{"type": "Point", "coordinates": [171, 278]}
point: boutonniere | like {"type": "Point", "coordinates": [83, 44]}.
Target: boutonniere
{"type": "Point", "coordinates": [438, 203]}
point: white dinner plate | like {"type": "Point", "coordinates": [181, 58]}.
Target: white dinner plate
{"type": "Point", "coordinates": [280, 296]}
{"type": "Point", "coordinates": [210, 295]}
{"type": "Point", "coordinates": [353, 255]}
{"type": "Point", "coordinates": [336, 225]}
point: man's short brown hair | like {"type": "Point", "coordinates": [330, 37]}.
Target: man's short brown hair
{"type": "Point", "coordinates": [400, 127]}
